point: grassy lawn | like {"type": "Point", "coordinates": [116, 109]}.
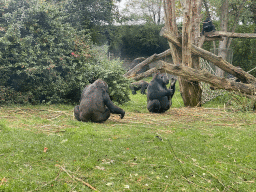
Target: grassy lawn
{"type": "Point", "coordinates": [42, 148]}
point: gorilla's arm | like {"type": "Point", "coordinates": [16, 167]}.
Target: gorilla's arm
{"type": "Point", "coordinates": [154, 92]}
{"type": "Point", "coordinates": [111, 106]}
{"type": "Point", "coordinates": [157, 95]}
{"type": "Point", "coordinates": [172, 87]}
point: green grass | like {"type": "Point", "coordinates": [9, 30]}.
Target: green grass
{"type": "Point", "coordinates": [184, 149]}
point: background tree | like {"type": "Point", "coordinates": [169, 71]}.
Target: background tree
{"type": "Point", "coordinates": [91, 14]}
{"type": "Point", "coordinates": [190, 90]}
{"type": "Point", "coordinates": [184, 48]}
{"type": "Point", "coordinates": [144, 11]}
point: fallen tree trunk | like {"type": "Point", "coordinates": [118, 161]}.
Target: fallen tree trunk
{"type": "Point", "coordinates": [230, 34]}
{"type": "Point", "coordinates": [202, 75]}
{"type": "Point", "coordinates": [132, 72]}
{"type": "Point", "coordinates": [145, 74]}
{"type": "Point", "coordinates": [218, 61]}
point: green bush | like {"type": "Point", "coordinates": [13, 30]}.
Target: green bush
{"type": "Point", "coordinates": [41, 54]}
{"type": "Point", "coordinates": [142, 40]}
{"type": "Point", "coordinates": [111, 72]}
{"type": "Point", "coordinates": [8, 96]}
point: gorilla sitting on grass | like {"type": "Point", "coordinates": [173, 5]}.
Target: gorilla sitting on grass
{"type": "Point", "coordinates": [95, 104]}
{"type": "Point", "coordinates": [158, 96]}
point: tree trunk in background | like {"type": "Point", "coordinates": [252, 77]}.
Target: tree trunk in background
{"type": "Point", "coordinates": [196, 10]}
{"type": "Point", "coordinates": [222, 52]}
{"type": "Point", "coordinates": [186, 51]}
{"type": "Point", "coordinates": [190, 90]}
{"type": "Point", "coordinates": [170, 25]}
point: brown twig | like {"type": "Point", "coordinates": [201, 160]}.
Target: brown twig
{"type": "Point", "coordinates": [215, 177]}
{"type": "Point", "coordinates": [191, 182]}
{"type": "Point", "coordinates": [165, 188]}
{"type": "Point", "coordinates": [78, 179]}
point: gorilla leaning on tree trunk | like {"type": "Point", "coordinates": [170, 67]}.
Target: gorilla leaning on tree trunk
{"type": "Point", "coordinates": [95, 104]}
{"type": "Point", "coordinates": [140, 85]}
{"type": "Point", "coordinates": [158, 96]}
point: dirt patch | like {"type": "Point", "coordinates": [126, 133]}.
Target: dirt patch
{"type": "Point", "coordinates": [174, 114]}
{"type": "Point", "coordinates": [52, 120]}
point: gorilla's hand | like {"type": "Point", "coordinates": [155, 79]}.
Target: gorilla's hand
{"type": "Point", "coordinates": [122, 115]}
{"type": "Point", "coordinates": [169, 92]}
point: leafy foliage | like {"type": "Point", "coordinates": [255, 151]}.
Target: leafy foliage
{"type": "Point", "coordinates": [9, 95]}
{"type": "Point", "coordinates": [112, 73]}
{"type": "Point", "coordinates": [42, 54]}
{"type": "Point", "coordinates": [91, 14]}
{"type": "Point", "coordinates": [143, 11]}
{"type": "Point", "coordinates": [138, 40]}
{"type": "Point", "coordinates": [244, 50]}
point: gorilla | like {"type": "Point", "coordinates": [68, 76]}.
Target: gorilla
{"type": "Point", "coordinates": [208, 25]}
{"type": "Point", "coordinates": [140, 85]}
{"type": "Point", "coordinates": [95, 104]}
{"type": "Point", "coordinates": [158, 96]}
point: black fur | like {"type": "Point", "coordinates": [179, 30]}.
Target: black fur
{"type": "Point", "coordinates": [95, 104]}
{"type": "Point", "coordinates": [208, 25]}
{"type": "Point", "coordinates": [158, 96]}
{"type": "Point", "coordinates": [139, 85]}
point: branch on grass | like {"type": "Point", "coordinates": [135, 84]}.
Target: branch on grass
{"type": "Point", "coordinates": [78, 179]}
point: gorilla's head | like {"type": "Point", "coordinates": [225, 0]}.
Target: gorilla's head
{"type": "Point", "coordinates": [101, 84]}
{"type": "Point", "coordinates": [161, 78]}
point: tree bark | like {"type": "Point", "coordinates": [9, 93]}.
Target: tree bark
{"type": "Point", "coordinates": [191, 90]}
{"type": "Point", "coordinates": [182, 55]}
{"type": "Point", "coordinates": [132, 72]}
{"type": "Point", "coordinates": [196, 19]}
{"type": "Point", "coordinates": [218, 61]}
{"type": "Point", "coordinates": [203, 75]}
{"type": "Point", "coordinates": [145, 74]}
{"type": "Point", "coordinates": [222, 52]}
{"type": "Point", "coordinates": [218, 34]}
{"type": "Point", "coordinates": [187, 35]}
{"type": "Point", "coordinates": [170, 24]}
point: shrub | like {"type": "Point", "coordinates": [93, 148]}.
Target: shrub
{"type": "Point", "coordinates": [43, 56]}
{"type": "Point", "coordinates": [9, 96]}
{"type": "Point", "coordinates": [111, 72]}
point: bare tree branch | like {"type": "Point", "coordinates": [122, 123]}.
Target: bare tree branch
{"type": "Point", "coordinates": [229, 34]}
{"type": "Point", "coordinates": [145, 74]}
{"type": "Point", "coordinates": [203, 75]}
{"type": "Point", "coordinates": [218, 61]}
{"type": "Point", "coordinates": [147, 61]}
